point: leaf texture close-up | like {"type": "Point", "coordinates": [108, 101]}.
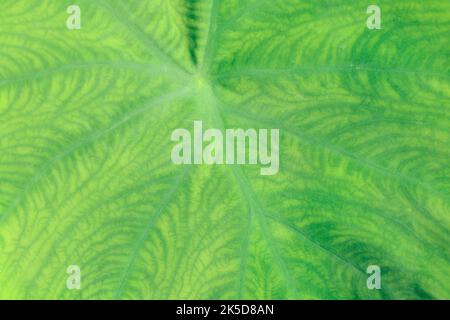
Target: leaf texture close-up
{"type": "Point", "coordinates": [86, 177]}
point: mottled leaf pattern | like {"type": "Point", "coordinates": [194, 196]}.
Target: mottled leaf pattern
{"type": "Point", "coordinates": [86, 177]}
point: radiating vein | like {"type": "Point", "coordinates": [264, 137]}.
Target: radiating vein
{"type": "Point", "coordinates": [152, 220]}
{"type": "Point", "coordinates": [120, 14]}
{"type": "Point", "coordinates": [88, 139]}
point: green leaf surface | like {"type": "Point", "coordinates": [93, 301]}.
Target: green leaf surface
{"type": "Point", "coordinates": [85, 171]}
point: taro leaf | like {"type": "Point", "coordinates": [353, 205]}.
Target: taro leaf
{"type": "Point", "coordinates": [86, 177]}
